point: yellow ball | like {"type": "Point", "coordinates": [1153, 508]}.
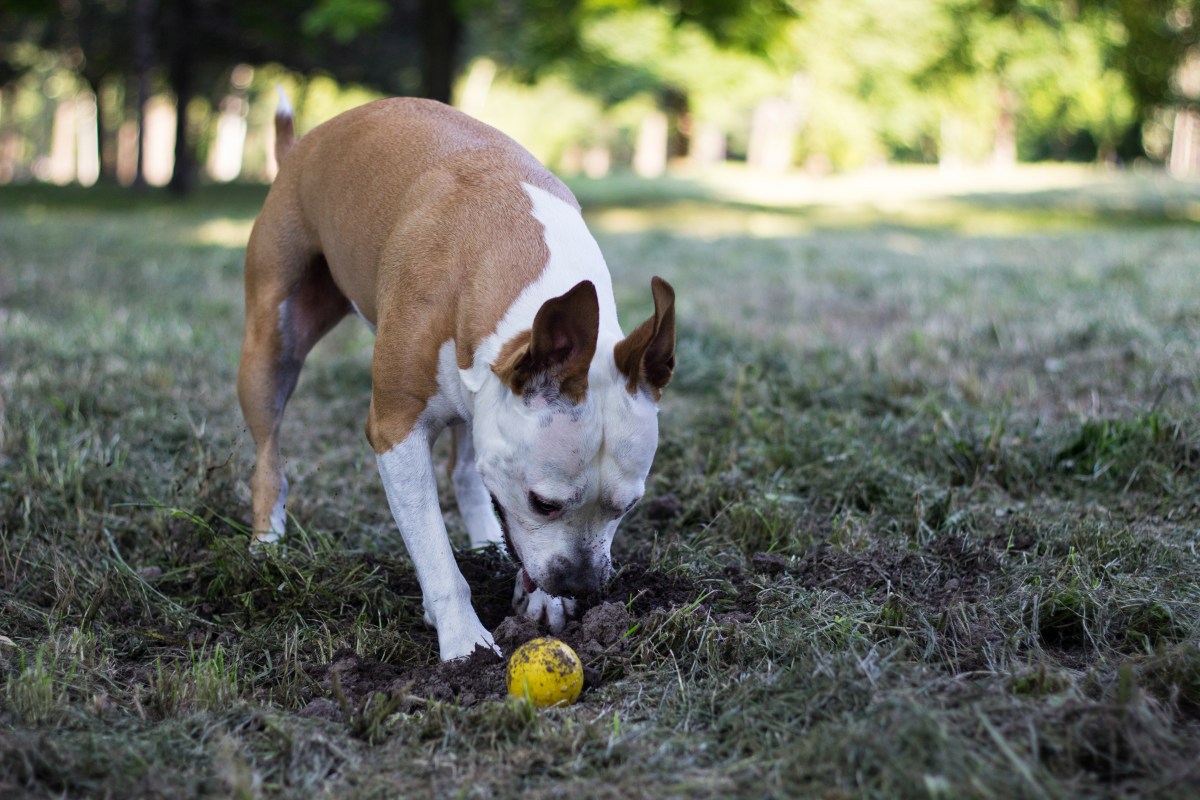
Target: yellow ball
{"type": "Point", "coordinates": [546, 671]}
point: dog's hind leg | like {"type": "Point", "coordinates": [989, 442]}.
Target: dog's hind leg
{"type": "Point", "coordinates": [291, 302]}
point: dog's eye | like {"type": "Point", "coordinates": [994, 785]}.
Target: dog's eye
{"type": "Point", "coordinates": [547, 508]}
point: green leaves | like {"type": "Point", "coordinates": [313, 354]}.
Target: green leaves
{"type": "Point", "coordinates": [344, 20]}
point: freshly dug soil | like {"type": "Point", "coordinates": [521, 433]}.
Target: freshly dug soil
{"type": "Point", "coordinates": [598, 630]}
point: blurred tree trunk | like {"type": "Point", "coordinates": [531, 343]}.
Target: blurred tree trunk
{"type": "Point", "coordinates": [773, 131]}
{"type": "Point", "coordinates": [674, 102]}
{"type": "Point", "coordinates": [441, 34]}
{"type": "Point", "coordinates": [10, 165]}
{"type": "Point", "coordinates": [107, 134]}
{"type": "Point", "coordinates": [182, 76]}
{"type": "Point", "coordinates": [650, 149]}
{"type": "Point", "coordinates": [1185, 137]}
{"type": "Point", "coordinates": [107, 150]}
{"type": "Point", "coordinates": [1185, 144]}
{"type": "Point", "coordinates": [1004, 147]}
{"type": "Point", "coordinates": [143, 61]}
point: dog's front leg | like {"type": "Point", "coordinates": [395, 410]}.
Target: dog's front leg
{"type": "Point", "coordinates": [408, 479]}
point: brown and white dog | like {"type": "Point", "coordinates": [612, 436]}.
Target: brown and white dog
{"type": "Point", "coordinates": [494, 316]}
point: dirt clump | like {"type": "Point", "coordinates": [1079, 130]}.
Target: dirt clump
{"type": "Point", "coordinates": [604, 626]}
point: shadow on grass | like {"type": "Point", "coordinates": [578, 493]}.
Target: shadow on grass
{"type": "Point", "coordinates": [234, 199]}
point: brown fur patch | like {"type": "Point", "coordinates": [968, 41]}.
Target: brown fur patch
{"type": "Point", "coordinates": [647, 355]}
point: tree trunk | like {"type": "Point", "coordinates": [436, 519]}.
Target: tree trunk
{"type": "Point", "coordinates": [679, 121]}
{"type": "Point", "coordinates": [1185, 144]}
{"type": "Point", "coordinates": [441, 33]}
{"type": "Point", "coordinates": [10, 145]}
{"type": "Point", "coordinates": [1004, 147]}
{"type": "Point", "coordinates": [182, 78]}
{"type": "Point", "coordinates": [143, 61]}
{"type": "Point", "coordinates": [650, 150]}
{"type": "Point", "coordinates": [1185, 137]}
{"type": "Point", "coordinates": [107, 135]}
{"type": "Point", "coordinates": [773, 130]}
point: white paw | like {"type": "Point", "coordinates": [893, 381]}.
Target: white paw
{"type": "Point", "coordinates": [279, 514]}
{"type": "Point", "coordinates": [460, 641]}
{"type": "Point", "coordinates": [541, 607]}
{"type": "Point", "coordinates": [266, 542]}
{"type": "Point", "coordinates": [262, 539]}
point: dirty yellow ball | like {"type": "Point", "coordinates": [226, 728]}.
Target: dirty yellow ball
{"type": "Point", "coordinates": [546, 671]}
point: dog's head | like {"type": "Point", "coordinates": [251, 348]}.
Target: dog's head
{"type": "Point", "coordinates": [565, 442]}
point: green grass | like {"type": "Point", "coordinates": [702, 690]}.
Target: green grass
{"type": "Point", "coordinates": [930, 461]}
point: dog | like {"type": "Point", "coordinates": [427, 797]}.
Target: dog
{"type": "Point", "coordinates": [494, 317]}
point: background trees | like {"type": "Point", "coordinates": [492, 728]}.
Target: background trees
{"type": "Point", "coordinates": [824, 83]}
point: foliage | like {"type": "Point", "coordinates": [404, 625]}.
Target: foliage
{"type": "Point", "coordinates": [1159, 35]}
{"type": "Point", "coordinates": [345, 20]}
{"type": "Point", "coordinates": [920, 80]}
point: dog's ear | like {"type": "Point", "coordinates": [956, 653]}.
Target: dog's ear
{"type": "Point", "coordinates": [558, 350]}
{"type": "Point", "coordinates": [647, 356]}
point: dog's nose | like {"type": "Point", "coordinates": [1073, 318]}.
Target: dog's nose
{"type": "Point", "coordinates": [566, 578]}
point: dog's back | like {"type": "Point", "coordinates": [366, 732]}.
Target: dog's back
{"type": "Point", "coordinates": [407, 185]}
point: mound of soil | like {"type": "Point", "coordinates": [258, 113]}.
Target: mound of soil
{"type": "Point", "coordinates": [597, 634]}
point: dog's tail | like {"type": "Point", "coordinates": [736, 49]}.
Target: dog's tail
{"type": "Point", "coordinates": [285, 126]}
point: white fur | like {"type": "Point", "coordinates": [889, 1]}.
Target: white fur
{"type": "Point", "coordinates": [279, 513]}
{"type": "Point", "coordinates": [407, 472]}
{"type": "Point", "coordinates": [362, 316]}
{"type": "Point", "coordinates": [473, 501]}
{"type": "Point", "coordinates": [284, 108]}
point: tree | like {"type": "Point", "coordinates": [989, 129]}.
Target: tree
{"type": "Point", "coordinates": [1161, 61]}
{"type": "Point", "coordinates": [190, 45]}
{"type": "Point", "coordinates": [396, 46]}
{"type": "Point", "coordinates": [1039, 70]}
{"type": "Point", "coordinates": [1159, 35]}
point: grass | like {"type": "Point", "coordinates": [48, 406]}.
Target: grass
{"type": "Point", "coordinates": [930, 461]}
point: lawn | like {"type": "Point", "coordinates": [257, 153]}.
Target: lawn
{"type": "Point", "coordinates": [923, 521]}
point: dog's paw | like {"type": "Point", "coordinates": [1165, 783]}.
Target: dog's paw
{"type": "Point", "coordinates": [264, 544]}
{"type": "Point", "coordinates": [541, 607]}
{"type": "Point", "coordinates": [463, 642]}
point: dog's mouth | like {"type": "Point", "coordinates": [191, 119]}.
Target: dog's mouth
{"type": "Point", "coordinates": [509, 547]}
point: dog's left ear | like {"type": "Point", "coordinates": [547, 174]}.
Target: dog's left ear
{"type": "Point", "coordinates": [647, 356]}
{"type": "Point", "coordinates": [558, 349]}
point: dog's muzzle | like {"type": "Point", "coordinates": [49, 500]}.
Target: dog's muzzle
{"type": "Point", "coordinates": [580, 579]}
{"type": "Point", "coordinates": [564, 578]}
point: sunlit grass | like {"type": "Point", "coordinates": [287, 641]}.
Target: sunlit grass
{"type": "Point", "coordinates": [733, 200]}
